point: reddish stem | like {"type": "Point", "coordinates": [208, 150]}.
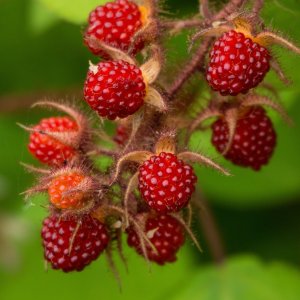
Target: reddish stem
{"type": "Point", "coordinates": [211, 232]}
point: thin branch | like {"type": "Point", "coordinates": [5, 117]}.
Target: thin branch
{"type": "Point", "coordinates": [257, 6]}
{"type": "Point", "coordinates": [231, 7]}
{"type": "Point", "coordinates": [190, 69]}
{"type": "Point", "coordinates": [210, 230]}
{"type": "Point", "coordinates": [178, 25]}
{"type": "Point", "coordinates": [102, 151]}
{"type": "Point", "coordinates": [11, 103]}
{"type": "Point", "coordinates": [205, 9]}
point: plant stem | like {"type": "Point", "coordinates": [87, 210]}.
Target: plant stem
{"type": "Point", "coordinates": [17, 102]}
{"type": "Point", "coordinates": [211, 231]}
{"type": "Point", "coordinates": [231, 7]}
{"type": "Point", "coordinates": [257, 6]}
{"type": "Point", "coordinates": [181, 24]}
{"type": "Point", "coordinates": [190, 69]}
{"type": "Point", "coordinates": [205, 9]}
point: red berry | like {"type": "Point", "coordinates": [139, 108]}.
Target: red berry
{"type": "Point", "coordinates": [47, 149]}
{"type": "Point", "coordinates": [61, 194]}
{"type": "Point", "coordinates": [115, 89]}
{"type": "Point", "coordinates": [88, 242]}
{"type": "Point", "coordinates": [253, 142]}
{"type": "Point", "coordinates": [115, 23]}
{"type": "Point", "coordinates": [166, 182]}
{"type": "Point", "coordinates": [237, 64]}
{"type": "Point", "coordinates": [122, 135]}
{"type": "Point", "coordinates": [166, 235]}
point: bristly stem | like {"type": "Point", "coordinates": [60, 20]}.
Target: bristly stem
{"type": "Point", "coordinates": [189, 70]}
{"type": "Point", "coordinates": [211, 230]}
{"type": "Point", "coordinates": [181, 24]}
{"type": "Point", "coordinates": [207, 219]}
{"type": "Point", "coordinates": [231, 7]}
{"type": "Point", "coordinates": [205, 9]}
{"type": "Point", "coordinates": [257, 6]}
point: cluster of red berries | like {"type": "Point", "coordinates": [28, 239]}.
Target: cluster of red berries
{"type": "Point", "coordinates": [87, 214]}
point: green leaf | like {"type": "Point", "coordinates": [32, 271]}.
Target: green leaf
{"type": "Point", "coordinates": [40, 18]}
{"type": "Point", "coordinates": [70, 10]}
{"type": "Point", "coordinates": [243, 278]}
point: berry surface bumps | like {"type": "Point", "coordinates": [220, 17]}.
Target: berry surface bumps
{"type": "Point", "coordinates": [64, 191]}
{"type": "Point", "coordinates": [166, 183]}
{"type": "Point", "coordinates": [47, 149]}
{"type": "Point", "coordinates": [115, 23]}
{"type": "Point", "coordinates": [71, 245]}
{"type": "Point", "coordinates": [237, 64]}
{"type": "Point", "coordinates": [115, 89]}
{"type": "Point", "coordinates": [253, 142]}
{"type": "Point", "coordinates": [165, 233]}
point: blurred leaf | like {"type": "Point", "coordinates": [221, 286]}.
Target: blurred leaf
{"type": "Point", "coordinates": [289, 6]}
{"type": "Point", "coordinates": [72, 11]}
{"type": "Point", "coordinates": [243, 278]}
{"type": "Point", "coordinates": [40, 18]}
{"type": "Point", "coordinates": [13, 179]}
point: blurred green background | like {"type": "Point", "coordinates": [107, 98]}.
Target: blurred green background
{"type": "Point", "coordinates": [42, 55]}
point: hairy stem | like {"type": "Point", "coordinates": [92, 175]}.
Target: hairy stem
{"type": "Point", "coordinates": [181, 24]}
{"type": "Point", "coordinates": [231, 7]}
{"type": "Point", "coordinates": [205, 9]}
{"type": "Point", "coordinates": [257, 6]}
{"type": "Point", "coordinates": [211, 231]}
{"type": "Point", "coordinates": [190, 69]}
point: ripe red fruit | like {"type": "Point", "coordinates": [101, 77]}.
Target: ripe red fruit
{"type": "Point", "coordinates": [115, 89]}
{"type": "Point", "coordinates": [47, 149]}
{"type": "Point", "coordinates": [165, 233]}
{"type": "Point", "coordinates": [71, 248]}
{"type": "Point", "coordinates": [61, 194]}
{"type": "Point", "coordinates": [115, 23]}
{"type": "Point", "coordinates": [236, 64]}
{"type": "Point", "coordinates": [254, 138]}
{"type": "Point", "coordinates": [166, 182]}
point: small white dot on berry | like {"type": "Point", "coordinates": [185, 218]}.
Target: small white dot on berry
{"type": "Point", "coordinates": [262, 133]}
{"type": "Point", "coordinates": [154, 180]}
{"type": "Point", "coordinates": [123, 36]}
{"type": "Point", "coordinates": [47, 235]}
{"type": "Point", "coordinates": [74, 258]}
{"type": "Point", "coordinates": [61, 261]}
{"type": "Point", "coordinates": [161, 193]}
{"type": "Point", "coordinates": [173, 189]}
{"type": "Point", "coordinates": [165, 183]}
{"type": "Point", "coordinates": [188, 190]}
{"type": "Point", "coordinates": [226, 66]}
